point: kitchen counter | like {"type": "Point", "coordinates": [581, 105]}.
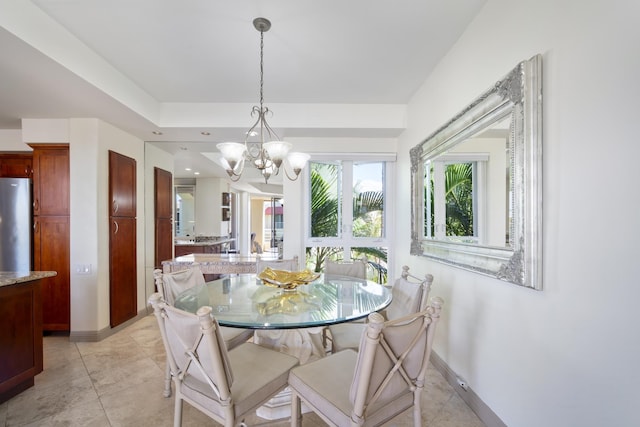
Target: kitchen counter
{"type": "Point", "coordinates": [12, 277]}
{"type": "Point", "coordinates": [20, 330]}
{"type": "Point", "coordinates": [213, 246]}
{"type": "Point", "coordinates": [216, 263]}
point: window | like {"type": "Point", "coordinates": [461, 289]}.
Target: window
{"type": "Point", "coordinates": [455, 189]}
{"type": "Point", "coordinates": [347, 213]}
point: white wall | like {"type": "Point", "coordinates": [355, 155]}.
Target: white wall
{"type": "Point", "coordinates": [565, 356]}
{"type": "Point", "coordinates": [208, 207]}
{"type": "Point", "coordinates": [11, 140]}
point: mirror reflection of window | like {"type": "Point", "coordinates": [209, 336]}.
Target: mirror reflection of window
{"type": "Point", "coordinates": [467, 192]}
{"type": "Point", "coordinates": [185, 211]}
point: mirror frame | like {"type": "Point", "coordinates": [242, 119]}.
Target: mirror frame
{"type": "Point", "coordinates": [518, 94]}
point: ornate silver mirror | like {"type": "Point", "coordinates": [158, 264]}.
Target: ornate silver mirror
{"type": "Point", "coordinates": [477, 183]}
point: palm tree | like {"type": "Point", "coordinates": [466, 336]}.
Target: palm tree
{"type": "Point", "coordinates": [458, 200]}
{"type": "Point", "coordinates": [324, 219]}
{"type": "Point", "coordinates": [324, 212]}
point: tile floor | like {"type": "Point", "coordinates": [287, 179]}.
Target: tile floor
{"type": "Point", "coordinates": [119, 382]}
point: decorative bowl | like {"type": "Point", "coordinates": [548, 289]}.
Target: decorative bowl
{"type": "Point", "coordinates": [285, 279]}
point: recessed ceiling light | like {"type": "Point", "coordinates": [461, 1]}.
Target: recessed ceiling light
{"type": "Point", "coordinates": [196, 173]}
{"type": "Point", "coordinates": [205, 133]}
{"type": "Point", "coordinates": [156, 132]}
{"type": "Point", "coordinates": [187, 169]}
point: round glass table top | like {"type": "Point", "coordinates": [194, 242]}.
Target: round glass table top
{"type": "Point", "coordinates": [244, 301]}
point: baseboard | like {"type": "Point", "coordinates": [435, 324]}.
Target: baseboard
{"type": "Point", "coordinates": [94, 336]}
{"type": "Point", "coordinates": [488, 417]}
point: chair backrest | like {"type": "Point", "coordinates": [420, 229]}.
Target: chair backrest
{"type": "Point", "coordinates": [392, 359]}
{"type": "Point", "coordinates": [355, 268]}
{"type": "Point", "coordinates": [277, 264]}
{"type": "Point", "coordinates": [410, 294]}
{"type": "Point", "coordinates": [195, 348]}
{"type": "Point", "coordinates": [171, 284]}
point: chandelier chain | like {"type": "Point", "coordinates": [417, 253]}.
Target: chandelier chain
{"type": "Point", "coordinates": [261, 68]}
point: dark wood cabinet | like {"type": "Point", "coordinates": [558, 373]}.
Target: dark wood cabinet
{"type": "Point", "coordinates": [122, 185]}
{"type": "Point", "coordinates": [51, 253]}
{"type": "Point", "coordinates": [123, 274]}
{"type": "Point", "coordinates": [163, 216]}
{"type": "Point", "coordinates": [50, 179]}
{"type": "Point", "coordinates": [122, 270]}
{"type": "Point", "coordinates": [20, 337]}
{"type": "Point", "coordinates": [16, 165]}
{"type": "Point", "coordinates": [51, 233]}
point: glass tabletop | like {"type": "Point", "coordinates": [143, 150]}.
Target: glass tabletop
{"type": "Point", "coordinates": [244, 301]}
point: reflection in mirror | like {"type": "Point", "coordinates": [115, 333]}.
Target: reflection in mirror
{"type": "Point", "coordinates": [185, 210]}
{"type": "Point", "coordinates": [476, 183]}
{"type": "Point", "coordinates": [467, 190]}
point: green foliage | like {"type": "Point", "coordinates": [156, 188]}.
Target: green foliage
{"type": "Point", "coordinates": [459, 199]}
{"type": "Point", "coordinates": [325, 205]}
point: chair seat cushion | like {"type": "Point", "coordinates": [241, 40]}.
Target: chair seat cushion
{"type": "Point", "coordinates": [324, 384]}
{"type": "Point", "coordinates": [346, 335]}
{"type": "Point", "coordinates": [249, 391]}
{"type": "Point", "coordinates": [233, 337]}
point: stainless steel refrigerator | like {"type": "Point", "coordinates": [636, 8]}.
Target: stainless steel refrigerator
{"type": "Point", "coordinates": [15, 224]}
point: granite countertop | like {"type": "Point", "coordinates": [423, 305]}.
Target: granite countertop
{"type": "Point", "coordinates": [203, 243]}
{"type": "Point", "coordinates": [14, 277]}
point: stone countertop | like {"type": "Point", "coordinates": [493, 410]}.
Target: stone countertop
{"type": "Point", "coordinates": [217, 263]}
{"type": "Point", "coordinates": [203, 243]}
{"type": "Point", "coordinates": [14, 277]}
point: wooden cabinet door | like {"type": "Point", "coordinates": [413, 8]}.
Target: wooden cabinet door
{"type": "Point", "coordinates": [122, 270]}
{"type": "Point", "coordinates": [163, 203]}
{"type": "Point", "coordinates": [122, 185]}
{"type": "Point", "coordinates": [164, 193]}
{"type": "Point", "coordinates": [16, 165]}
{"type": "Point", "coordinates": [51, 236]}
{"type": "Point", "coordinates": [50, 179]}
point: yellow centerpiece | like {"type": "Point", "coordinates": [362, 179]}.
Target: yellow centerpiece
{"type": "Point", "coordinates": [286, 279]}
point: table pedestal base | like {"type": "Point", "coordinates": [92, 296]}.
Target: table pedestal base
{"type": "Point", "coordinates": [306, 345]}
{"type": "Point", "coordinates": [279, 406]}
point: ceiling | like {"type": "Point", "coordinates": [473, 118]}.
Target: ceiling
{"type": "Point", "coordinates": [188, 70]}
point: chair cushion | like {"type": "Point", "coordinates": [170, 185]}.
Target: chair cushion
{"type": "Point", "coordinates": [324, 384]}
{"type": "Point", "coordinates": [346, 335]}
{"type": "Point", "coordinates": [351, 269]}
{"type": "Point", "coordinates": [233, 337]}
{"type": "Point", "coordinates": [179, 281]}
{"type": "Point", "coordinates": [407, 297]}
{"type": "Point", "coordinates": [254, 384]}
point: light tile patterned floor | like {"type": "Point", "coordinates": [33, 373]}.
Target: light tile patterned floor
{"type": "Point", "coordinates": [119, 382]}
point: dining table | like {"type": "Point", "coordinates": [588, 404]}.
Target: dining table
{"type": "Point", "coordinates": [287, 320]}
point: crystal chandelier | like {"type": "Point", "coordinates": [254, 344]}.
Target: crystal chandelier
{"type": "Point", "coordinates": [268, 152]}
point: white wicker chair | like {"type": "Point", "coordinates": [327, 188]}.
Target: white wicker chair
{"type": "Point", "coordinates": [169, 285]}
{"type": "Point", "coordinates": [277, 264]}
{"type": "Point", "coordinates": [388, 373]}
{"type": "Point", "coordinates": [410, 295]}
{"type": "Point", "coordinates": [224, 385]}
{"type": "Point", "coordinates": [355, 268]}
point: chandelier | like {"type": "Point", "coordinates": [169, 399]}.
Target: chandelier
{"type": "Point", "coordinates": [268, 153]}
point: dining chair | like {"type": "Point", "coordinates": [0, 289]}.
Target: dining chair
{"type": "Point", "coordinates": [373, 385]}
{"type": "Point", "coordinates": [169, 285]}
{"type": "Point", "coordinates": [354, 268]}
{"type": "Point", "coordinates": [277, 264]}
{"type": "Point", "coordinates": [409, 293]}
{"type": "Point", "coordinates": [224, 385]}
